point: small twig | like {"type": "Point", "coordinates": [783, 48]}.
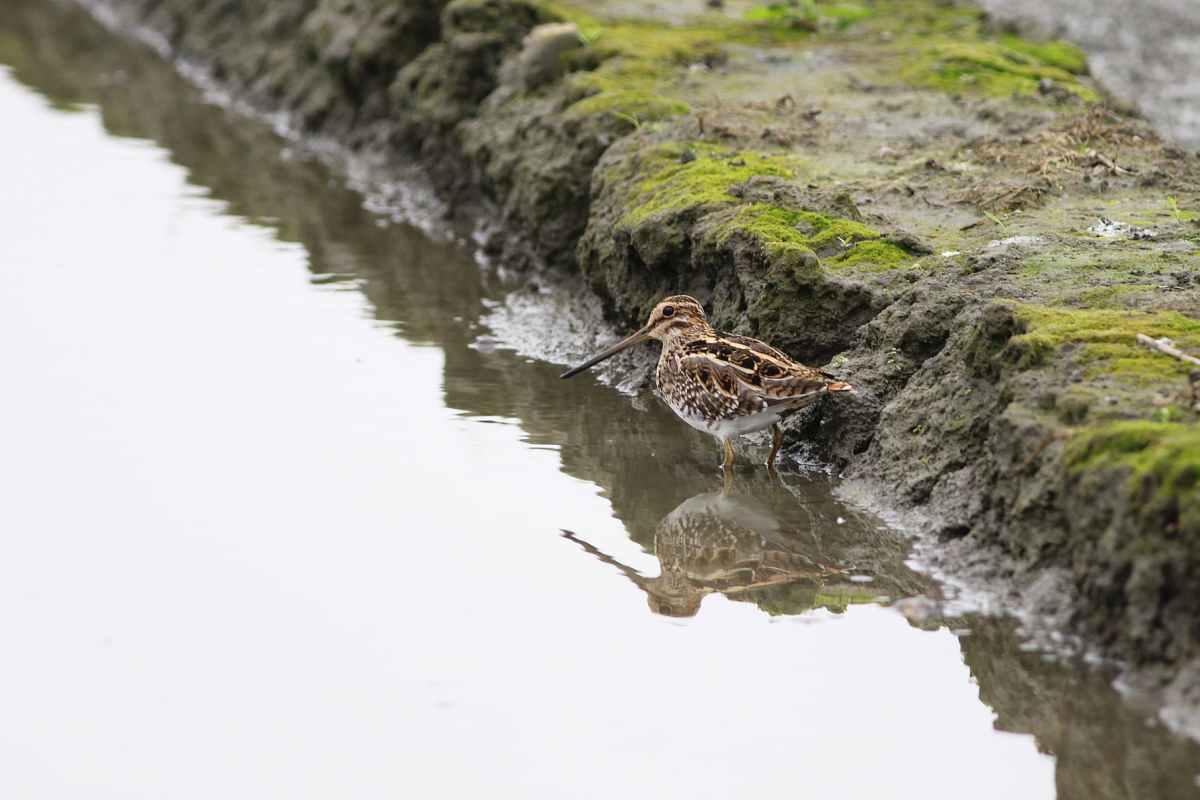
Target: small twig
{"type": "Point", "coordinates": [1167, 347]}
{"type": "Point", "coordinates": [994, 218]}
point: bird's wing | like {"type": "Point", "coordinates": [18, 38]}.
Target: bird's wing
{"type": "Point", "coordinates": [747, 376]}
{"type": "Point", "coordinates": [762, 348]}
{"type": "Point", "coordinates": [725, 390]}
{"type": "Point", "coordinates": [753, 344]}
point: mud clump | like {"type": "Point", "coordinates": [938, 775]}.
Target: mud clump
{"type": "Point", "coordinates": [900, 194]}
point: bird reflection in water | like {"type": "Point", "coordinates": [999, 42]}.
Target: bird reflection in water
{"type": "Point", "coordinates": [765, 547]}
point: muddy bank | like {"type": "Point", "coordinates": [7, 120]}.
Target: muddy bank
{"type": "Point", "coordinates": [948, 216]}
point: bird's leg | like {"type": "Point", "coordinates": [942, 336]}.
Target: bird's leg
{"type": "Point", "coordinates": [728, 463]}
{"type": "Point", "coordinates": [776, 443]}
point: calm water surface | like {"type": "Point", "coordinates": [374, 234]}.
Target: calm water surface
{"type": "Point", "coordinates": [277, 523]}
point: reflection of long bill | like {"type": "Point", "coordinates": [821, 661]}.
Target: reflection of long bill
{"type": "Point", "coordinates": [629, 341]}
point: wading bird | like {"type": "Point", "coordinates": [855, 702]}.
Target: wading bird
{"type": "Point", "coordinates": [721, 383]}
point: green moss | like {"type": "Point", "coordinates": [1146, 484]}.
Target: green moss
{"type": "Point", "coordinates": [775, 228]}
{"type": "Point", "coordinates": [802, 596]}
{"type": "Point", "coordinates": [999, 68]}
{"type": "Point", "coordinates": [640, 62]}
{"type": "Point", "coordinates": [846, 243]}
{"type": "Point", "coordinates": [806, 15]}
{"type": "Point", "coordinates": [798, 14]}
{"type": "Point", "coordinates": [1111, 273]}
{"type": "Point", "coordinates": [672, 184]}
{"type": "Point", "coordinates": [834, 231]}
{"type": "Point", "coordinates": [842, 15]}
{"type": "Point", "coordinates": [873, 256]}
{"type": "Point", "coordinates": [1105, 341]}
{"type": "Point", "coordinates": [1063, 55]}
{"type": "Point", "coordinates": [1119, 296]}
{"type": "Point", "coordinates": [1030, 349]}
{"type": "Point", "coordinates": [1162, 458]}
{"type": "Point", "coordinates": [951, 48]}
{"type": "Point", "coordinates": [632, 105]}
{"type": "Point", "coordinates": [1180, 214]}
{"type": "Point", "coordinates": [839, 601]}
{"type": "Point", "coordinates": [629, 87]}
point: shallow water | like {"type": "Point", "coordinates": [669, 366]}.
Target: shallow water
{"type": "Point", "coordinates": [282, 520]}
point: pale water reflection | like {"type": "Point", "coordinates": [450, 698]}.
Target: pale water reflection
{"type": "Point", "coordinates": [783, 544]}
{"type": "Point", "coordinates": [259, 542]}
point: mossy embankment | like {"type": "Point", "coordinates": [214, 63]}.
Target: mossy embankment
{"type": "Point", "coordinates": [952, 216]}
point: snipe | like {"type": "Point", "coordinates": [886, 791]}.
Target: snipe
{"type": "Point", "coordinates": [721, 383]}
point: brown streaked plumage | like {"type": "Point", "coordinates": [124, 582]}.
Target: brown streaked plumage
{"type": "Point", "coordinates": [718, 542]}
{"type": "Point", "coordinates": [722, 383]}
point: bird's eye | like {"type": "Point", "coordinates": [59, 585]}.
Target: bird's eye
{"type": "Point", "coordinates": [668, 311]}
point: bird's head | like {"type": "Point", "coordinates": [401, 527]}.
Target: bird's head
{"type": "Point", "coordinates": [672, 316]}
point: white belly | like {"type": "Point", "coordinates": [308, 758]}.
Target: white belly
{"type": "Point", "coordinates": [729, 428]}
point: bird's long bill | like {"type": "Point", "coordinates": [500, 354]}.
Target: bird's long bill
{"type": "Point", "coordinates": [628, 341]}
